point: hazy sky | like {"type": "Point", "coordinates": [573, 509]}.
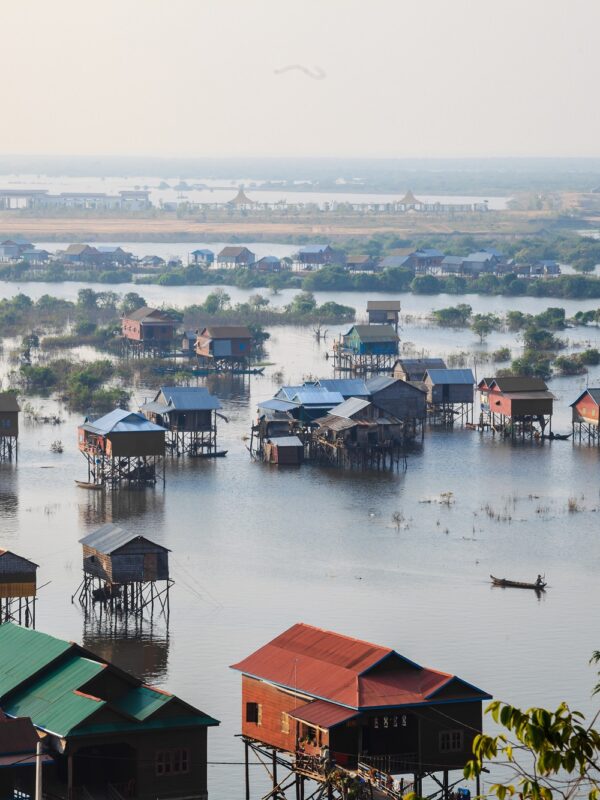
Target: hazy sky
{"type": "Point", "coordinates": [198, 77]}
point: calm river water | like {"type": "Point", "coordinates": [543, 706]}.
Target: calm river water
{"type": "Point", "coordinates": [256, 548]}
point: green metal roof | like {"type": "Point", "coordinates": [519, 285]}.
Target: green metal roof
{"type": "Point", "coordinates": [149, 725]}
{"type": "Point", "coordinates": [52, 701]}
{"type": "Point", "coordinates": [23, 652]}
{"type": "Point", "coordinates": [142, 702]}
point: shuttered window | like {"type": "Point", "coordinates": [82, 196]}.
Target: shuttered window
{"type": "Point", "coordinates": [254, 713]}
{"type": "Point", "coordinates": [451, 741]}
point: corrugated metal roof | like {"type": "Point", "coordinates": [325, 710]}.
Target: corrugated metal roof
{"type": "Point", "coordinates": [383, 305]}
{"type": "Point", "coordinates": [313, 248]}
{"type": "Point", "coordinates": [392, 262]}
{"type": "Point", "coordinates": [23, 652]}
{"type": "Point", "coordinates": [276, 404]}
{"type": "Point", "coordinates": [226, 332]}
{"type": "Point", "coordinates": [317, 396]}
{"type": "Point", "coordinates": [121, 421]}
{"type": "Point", "coordinates": [142, 702]}
{"type": "Point", "coordinates": [347, 387]}
{"type": "Point", "coordinates": [286, 441]}
{"type": "Point", "coordinates": [8, 402]}
{"type": "Point", "coordinates": [189, 398]}
{"type": "Point", "coordinates": [379, 382]}
{"type": "Point", "coordinates": [287, 392]}
{"type": "Point", "coordinates": [593, 393]}
{"type": "Point", "coordinates": [415, 368]}
{"type": "Point", "coordinates": [333, 423]}
{"type": "Point", "coordinates": [528, 395]}
{"type": "Point", "coordinates": [322, 714]}
{"type": "Point", "coordinates": [451, 376]}
{"type": "Point", "coordinates": [374, 333]}
{"type": "Point", "coordinates": [519, 383]}
{"type": "Point", "coordinates": [52, 701]}
{"type": "Point", "coordinates": [481, 257]}
{"type": "Point", "coordinates": [350, 407]}
{"type": "Point", "coordinates": [19, 559]}
{"type": "Point", "coordinates": [109, 538]}
{"type": "Point", "coordinates": [146, 313]}
{"type": "Point", "coordinates": [453, 260]}
{"type": "Point", "coordinates": [329, 666]}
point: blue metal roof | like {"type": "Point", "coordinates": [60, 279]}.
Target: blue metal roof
{"type": "Point", "coordinates": [270, 259]}
{"type": "Point", "coordinates": [317, 396]}
{"type": "Point", "coordinates": [189, 398]}
{"type": "Point", "coordinates": [121, 421]}
{"type": "Point", "coordinates": [455, 376]}
{"type": "Point", "coordinates": [429, 252]}
{"type": "Point", "coordinates": [379, 382]}
{"type": "Point", "coordinates": [347, 387]}
{"type": "Point", "coordinates": [287, 392]}
{"type": "Point", "coordinates": [394, 261]}
{"type": "Point", "coordinates": [453, 260]}
{"type": "Point", "coordinates": [202, 252]}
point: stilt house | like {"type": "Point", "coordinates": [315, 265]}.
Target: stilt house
{"type": "Point", "coordinates": [149, 326]}
{"type": "Point", "coordinates": [321, 696]}
{"type": "Point", "coordinates": [284, 450]}
{"type": "Point", "coordinates": [586, 414]}
{"type": "Point", "coordinates": [516, 403]}
{"type": "Point", "coordinates": [189, 414]}
{"type": "Point", "coordinates": [108, 734]}
{"type": "Point", "coordinates": [449, 386]}
{"type": "Point", "coordinates": [9, 424]}
{"type": "Point", "coordinates": [384, 312]}
{"type": "Point", "coordinates": [122, 446]}
{"type": "Point", "coordinates": [414, 369]}
{"type": "Point", "coordinates": [366, 349]}
{"type": "Point", "coordinates": [18, 588]}
{"type": "Point", "coordinates": [397, 397]}
{"type": "Point", "coordinates": [229, 344]}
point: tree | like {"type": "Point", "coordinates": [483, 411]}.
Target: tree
{"type": "Point", "coordinates": [426, 284]}
{"type": "Point", "coordinates": [302, 303]}
{"type": "Point", "coordinates": [87, 298]}
{"type": "Point", "coordinates": [483, 324]}
{"type": "Point", "coordinates": [132, 301]}
{"type": "Point", "coordinates": [552, 753]}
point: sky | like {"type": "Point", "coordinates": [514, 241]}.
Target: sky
{"type": "Point", "coordinates": [380, 78]}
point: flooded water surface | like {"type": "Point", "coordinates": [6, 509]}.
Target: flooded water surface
{"type": "Point", "coordinates": [256, 548]}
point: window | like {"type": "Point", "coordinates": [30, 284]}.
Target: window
{"type": "Point", "coordinates": [172, 762]}
{"type": "Point", "coordinates": [254, 713]}
{"type": "Point", "coordinates": [285, 722]}
{"type": "Point", "coordinates": [451, 741]}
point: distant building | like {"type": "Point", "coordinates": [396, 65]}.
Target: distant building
{"type": "Point", "coordinates": [427, 260]}
{"type": "Point", "coordinates": [148, 326]}
{"type": "Point", "coordinates": [13, 249]}
{"type": "Point", "coordinates": [153, 262]}
{"type": "Point", "coordinates": [414, 369]}
{"type": "Point", "coordinates": [114, 256]}
{"type": "Point", "coordinates": [233, 257]}
{"type": "Point", "coordinates": [362, 263]}
{"type": "Point", "coordinates": [203, 257]}
{"type": "Point", "coordinates": [313, 256]}
{"type": "Point", "coordinates": [451, 265]}
{"type": "Point", "coordinates": [481, 261]}
{"type": "Point", "coordinates": [80, 255]}
{"type": "Point", "coordinates": [381, 312]}
{"type": "Point", "coordinates": [371, 340]}
{"type": "Point", "coordinates": [227, 344]}
{"type": "Point", "coordinates": [396, 261]}
{"type": "Point", "coordinates": [268, 264]}
{"type": "Point", "coordinates": [449, 386]}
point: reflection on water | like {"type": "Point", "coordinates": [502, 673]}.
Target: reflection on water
{"type": "Point", "coordinates": [134, 644]}
{"type": "Point", "coordinates": [255, 548]}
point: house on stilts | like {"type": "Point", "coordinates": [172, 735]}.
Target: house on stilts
{"type": "Point", "coordinates": [18, 589]}
{"type": "Point", "coordinates": [366, 350]}
{"type": "Point", "coordinates": [384, 312]}
{"type": "Point", "coordinates": [315, 701]}
{"type": "Point", "coordinates": [123, 448]}
{"type": "Point", "coordinates": [148, 331]}
{"type": "Point", "coordinates": [9, 425]}
{"type": "Point", "coordinates": [189, 415]}
{"type": "Point", "coordinates": [124, 571]}
{"type": "Point", "coordinates": [224, 348]}
{"type": "Point", "coordinates": [516, 406]}
{"type": "Point", "coordinates": [450, 395]}
{"type": "Point", "coordinates": [586, 416]}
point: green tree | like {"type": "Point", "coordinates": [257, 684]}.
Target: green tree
{"type": "Point", "coordinates": [130, 302]}
{"type": "Point", "coordinates": [87, 298]}
{"type": "Point", "coordinates": [483, 324]}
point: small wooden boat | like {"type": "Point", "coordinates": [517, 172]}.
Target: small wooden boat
{"type": "Point", "coordinates": [538, 587]}
{"type": "Point", "coordinates": [215, 454]}
{"type": "Point", "coordinates": [85, 485]}
{"type": "Point", "coordinates": [559, 437]}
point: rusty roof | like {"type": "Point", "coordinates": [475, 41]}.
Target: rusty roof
{"type": "Point", "coordinates": [146, 313]}
{"type": "Point", "coordinates": [322, 714]}
{"type": "Point", "coordinates": [342, 670]}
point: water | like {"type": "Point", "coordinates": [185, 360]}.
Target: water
{"type": "Point", "coordinates": [256, 548]}
{"type": "Point", "coordinates": [221, 191]}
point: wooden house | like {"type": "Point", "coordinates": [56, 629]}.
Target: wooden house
{"type": "Point", "coordinates": [283, 450]}
{"type": "Point", "coordinates": [189, 414]}
{"type": "Point", "coordinates": [148, 327]}
{"type": "Point", "coordinates": [119, 556]}
{"type": "Point", "coordinates": [586, 414]}
{"type": "Point", "coordinates": [384, 312]}
{"type": "Point", "coordinates": [225, 344]}
{"type": "Point", "coordinates": [320, 696]}
{"type": "Point", "coordinates": [122, 446]}
{"type": "Point", "coordinates": [203, 257]}
{"type": "Point", "coordinates": [414, 369]}
{"type": "Point", "coordinates": [9, 424]}
{"type": "Point", "coordinates": [83, 255]}
{"type": "Point", "coordinates": [399, 398]}
{"type": "Point", "coordinates": [427, 260]}
{"type": "Point", "coordinates": [111, 256]}
{"type": "Point", "coordinates": [153, 262]}
{"type": "Point", "coordinates": [346, 387]}
{"type": "Point", "coordinates": [366, 349]}
{"type": "Point", "coordinates": [268, 264]}
{"type": "Point", "coordinates": [309, 400]}
{"type": "Point", "coordinates": [234, 257]}
{"type": "Point", "coordinates": [311, 257]}
{"type": "Point", "coordinates": [18, 588]}
{"type": "Point", "coordinates": [108, 733]}
{"type": "Point", "coordinates": [516, 404]}
{"type": "Point", "coordinates": [361, 263]}
{"type": "Point", "coordinates": [449, 386]}
{"type": "Point", "coordinates": [18, 744]}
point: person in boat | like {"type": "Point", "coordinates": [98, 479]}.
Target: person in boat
{"type": "Point", "coordinates": [539, 581]}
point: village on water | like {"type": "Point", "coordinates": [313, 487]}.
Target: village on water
{"type": "Point", "coordinates": [300, 400]}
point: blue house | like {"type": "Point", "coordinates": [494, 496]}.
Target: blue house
{"type": "Point", "coordinates": [365, 340]}
{"type": "Point", "coordinates": [202, 256]}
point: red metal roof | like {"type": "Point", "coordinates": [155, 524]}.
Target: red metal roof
{"type": "Point", "coordinates": [340, 669]}
{"type": "Point", "coordinates": [322, 714]}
